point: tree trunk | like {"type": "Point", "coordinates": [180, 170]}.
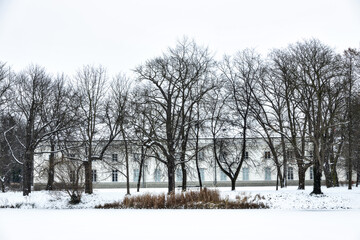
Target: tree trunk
{"type": "Point", "coordinates": [2, 186]}
{"type": "Point", "coordinates": [51, 171]}
{"type": "Point", "coordinates": [184, 177]}
{"type": "Point", "coordinates": [139, 178]}
{"type": "Point", "coordinates": [280, 176]}
{"type": "Point", "coordinates": [233, 182]}
{"type": "Point", "coordinates": [127, 168]}
{"type": "Point", "coordinates": [285, 160]}
{"type": "Point", "coordinates": [171, 176]}
{"type": "Point", "coordinates": [334, 175]}
{"type": "Point", "coordinates": [27, 172]}
{"type": "Point", "coordinates": [142, 160]}
{"type": "Point", "coordinates": [197, 157]}
{"type": "Point", "coordinates": [328, 176]}
{"type": "Point", "coordinates": [317, 179]}
{"type": "Point", "coordinates": [88, 177]}
{"type": "Point", "coordinates": [301, 172]}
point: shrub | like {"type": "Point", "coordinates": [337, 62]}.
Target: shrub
{"type": "Point", "coordinates": [203, 199]}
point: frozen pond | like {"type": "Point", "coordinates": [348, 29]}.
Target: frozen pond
{"type": "Point", "coordinates": [41, 224]}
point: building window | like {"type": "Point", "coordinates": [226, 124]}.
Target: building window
{"type": "Point", "coordinates": [311, 170]}
{"type": "Point", "coordinates": [311, 154]}
{"type": "Point", "coordinates": [267, 155]}
{"type": "Point", "coordinates": [267, 173]}
{"type": "Point", "coordinates": [245, 174]}
{"type": "Point", "coordinates": [290, 173]}
{"type": "Point", "coordinates": [201, 155]}
{"type": "Point", "coordinates": [179, 175]}
{"type": "Point", "coordinates": [114, 157]}
{"type": "Point", "coordinates": [246, 155]}
{"type": "Point", "coordinates": [114, 175]}
{"type": "Point", "coordinates": [202, 174]}
{"type": "Point", "coordinates": [94, 175]}
{"type": "Point", "coordinates": [136, 175]}
{"type": "Point", "coordinates": [223, 176]}
{"type": "Point", "coordinates": [136, 156]}
{"type": "Point", "coordinates": [289, 154]}
{"type": "Point", "coordinates": [157, 175]}
{"type": "Point", "coordinates": [72, 176]}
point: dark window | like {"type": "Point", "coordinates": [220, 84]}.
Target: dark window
{"type": "Point", "coordinates": [114, 175]}
{"type": "Point", "coordinates": [94, 176]}
{"type": "Point", "coordinates": [290, 173]}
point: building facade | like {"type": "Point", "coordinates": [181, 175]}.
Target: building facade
{"type": "Point", "coordinates": [258, 168]}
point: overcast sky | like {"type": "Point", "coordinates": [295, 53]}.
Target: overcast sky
{"type": "Point", "coordinates": [63, 35]}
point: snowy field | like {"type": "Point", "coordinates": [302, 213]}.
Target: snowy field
{"type": "Point", "coordinates": [293, 214]}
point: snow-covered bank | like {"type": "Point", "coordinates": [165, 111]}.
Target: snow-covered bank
{"type": "Point", "coordinates": [93, 224]}
{"type": "Point", "coordinates": [289, 198]}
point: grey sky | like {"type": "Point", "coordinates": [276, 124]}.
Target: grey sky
{"type": "Point", "coordinates": [63, 35]}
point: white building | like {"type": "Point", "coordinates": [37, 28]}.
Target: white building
{"type": "Point", "coordinates": [257, 170]}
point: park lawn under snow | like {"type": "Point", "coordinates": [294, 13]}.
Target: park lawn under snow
{"type": "Point", "coordinates": [289, 198]}
{"type": "Point", "coordinates": [293, 214]}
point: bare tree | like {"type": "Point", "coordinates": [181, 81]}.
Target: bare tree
{"type": "Point", "coordinates": [101, 119]}
{"type": "Point", "coordinates": [319, 87]}
{"type": "Point", "coordinates": [240, 75]}
{"type": "Point", "coordinates": [352, 66]}
{"type": "Point", "coordinates": [33, 88]}
{"type": "Point", "coordinates": [173, 76]}
{"type": "Point", "coordinates": [291, 124]}
{"type": "Point", "coordinates": [62, 109]}
{"type": "Point", "coordinates": [6, 166]}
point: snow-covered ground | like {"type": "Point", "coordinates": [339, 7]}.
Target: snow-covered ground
{"type": "Point", "coordinates": [289, 198]}
{"type": "Point", "coordinates": [292, 215]}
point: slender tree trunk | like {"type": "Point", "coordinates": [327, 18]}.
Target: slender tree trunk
{"type": "Point", "coordinates": [280, 178]}
{"type": "Point", "coordinates": [171, 176]}
{"type": "Point", "coordinates": [142, 160]}
{"type": "Point", "coordinates": [51, 171]}
{"type": "Point", "coordinates": [184, 176]}
{"type": "Point", "coordinates": [127, 164]}
{"type": "Point", "coordinates": [197, 158]}
{"type": "Point", "coordinates": [88, 177]}
{"type": "Point", "coordinates": [285, 160]}
{"type": "Point", "coordinates": [2, 186]}
{"type": "Point", "coordinates": [27, 172]}
{"type": "Point", "coordinates": [328, 175]}
{"type": "Point", "coordinates": [139, 178]}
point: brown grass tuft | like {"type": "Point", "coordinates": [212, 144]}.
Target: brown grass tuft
{"type": "Point", "coordinates": [203, 199]}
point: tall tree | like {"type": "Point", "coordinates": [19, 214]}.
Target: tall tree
{"type": "Point", "coordinates": [240, 75]}
{"type": "Point", "coordinates": [319, 87]}
{"type": "Point", "coordinates": [173, 76]}
{"type": "Point", "coordinates": [33, 88]}
{"type": "Point", "coordinates": [351, 66]}
{"type": "Point", "coordinates": [101, 120]}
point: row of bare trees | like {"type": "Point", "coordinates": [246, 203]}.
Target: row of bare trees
{"type": "Point", "coordinates": [302, 100]}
